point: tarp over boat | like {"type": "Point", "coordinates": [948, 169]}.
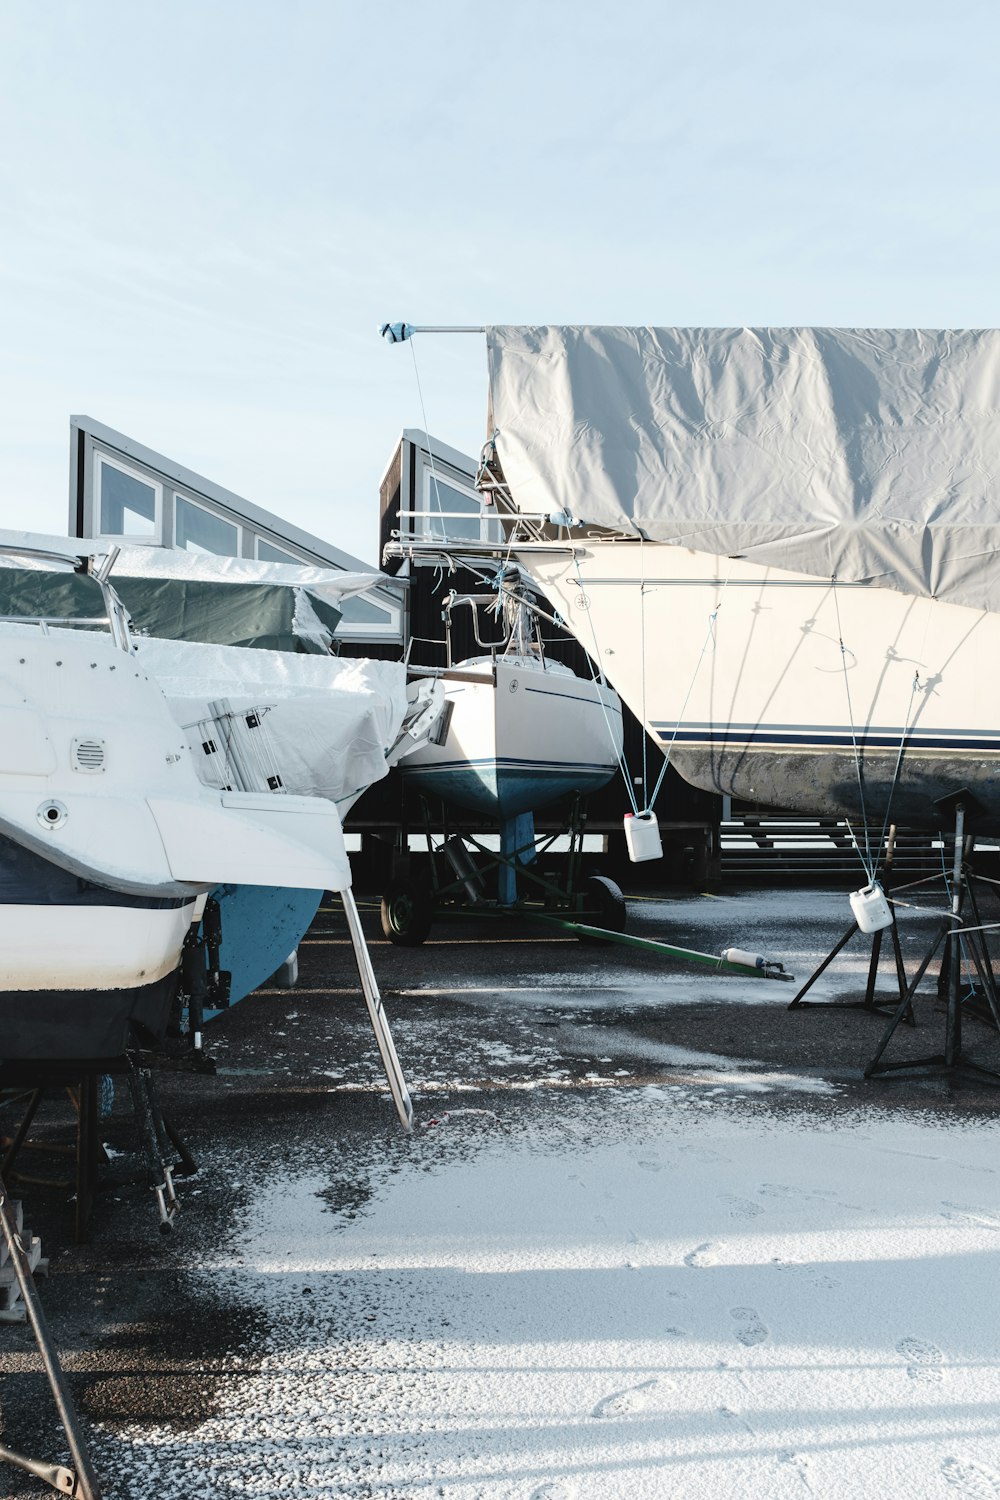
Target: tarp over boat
{"type": "Point", "coordinates": [227, 601]}
{"type": "Point", "coordinates": [872, 455]}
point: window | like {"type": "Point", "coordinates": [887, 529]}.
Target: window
{"type": "Point", "coordinates": [455, 512]}
{"type": "Point", "coordinates": [268, 552]}
{"type": "Point", "coordinates": [362, 610]}
{"type": "Point", "coordinates": [199, 530]}
{"type": "Point", "coordinates": [127, 502]}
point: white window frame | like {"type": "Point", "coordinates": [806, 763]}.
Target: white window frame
{"type": "Point", "coordinates": [292, 557]}
{"type": "Point", "coordinates": [433, 477]}
{"type": "Point", "coordinates": [101, 456]}
{"type": "Point", "coordinates": [216, 515]}
{"type": "Point", "coordinates": [346, 630]}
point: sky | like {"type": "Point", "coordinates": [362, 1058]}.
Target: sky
{"type": "Point", "coordinates": [208, 208]}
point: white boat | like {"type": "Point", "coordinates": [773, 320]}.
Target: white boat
{"type": "Point", "coordinates": [520, 730]}
{"type": "Point", "coordinates": [780, 546]}
{"type": "Point", "coordinates": [109, 841]}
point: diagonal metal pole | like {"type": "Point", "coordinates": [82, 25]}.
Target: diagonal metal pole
{"type": "Point", "coordinates": [81, 1481]}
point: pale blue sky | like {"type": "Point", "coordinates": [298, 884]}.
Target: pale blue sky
{"type": "Point", "coordinates": [207, 207]}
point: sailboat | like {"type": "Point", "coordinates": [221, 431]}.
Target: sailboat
{"type": "Point", "coordinates": [520, 730]}
{"type": "Point", "coordinates": [778, 544]}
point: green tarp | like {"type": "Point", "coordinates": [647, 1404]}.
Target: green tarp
{"type": "Point", "coordinates": [221, 614]}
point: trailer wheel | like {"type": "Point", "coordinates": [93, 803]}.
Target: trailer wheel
{"type": "Point", "coordinates": [605, 905]}
{"type": "Point", "coordinates": [407, 911]}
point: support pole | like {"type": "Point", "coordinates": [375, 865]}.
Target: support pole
{"type": "Point", "coordinates": [376, 1014]}
{"type": "Point", "coordinates": [82, 1482]}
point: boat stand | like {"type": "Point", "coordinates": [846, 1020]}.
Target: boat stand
{"type": "Point", "coordinates": [952, 1062]}
{"type": "Point", "coordinates": [376, 1013]}
{"type": "Point", "coordinates": [163, 1152]}
{"type": "Point", "coordinates": [868, 1003]}
{"type": "Point", "coordinates": [80, 1481]}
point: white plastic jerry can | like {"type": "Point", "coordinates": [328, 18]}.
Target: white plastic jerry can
{"type": "Point", "coordinates": [642, 835]}
{"type": "Point", "coordinates": [745, 957]}
{"type": "Point", "coordinates": [871, 910]}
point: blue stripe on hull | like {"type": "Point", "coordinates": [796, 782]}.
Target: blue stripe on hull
{"type": "Point", "coordinates": [735, 737]}
{"type": "Point", "coordinates": [504, 789]}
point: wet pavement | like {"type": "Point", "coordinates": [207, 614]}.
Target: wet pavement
{"type": "Point", "coordinates": [525, 1027]}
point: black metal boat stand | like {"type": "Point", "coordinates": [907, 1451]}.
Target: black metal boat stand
{"type": "Point", "coordinates": [868, 1003]}
{"type": "Point", "coordinates": [164, 1155]}
{"type": "Point", "coordinates": [952, 1061]}
{"type": "Point", "coordinates": [80, 1481]}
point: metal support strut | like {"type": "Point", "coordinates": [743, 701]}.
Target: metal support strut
{"type": "Point", "coordinates": [376, 1014]}
{"type": "Point", "coordinates": [868, 1003]}
{"type": "Point", "coordinates": [80, 1481]}
{"type": "Point", "coordinates": [952, 1061]}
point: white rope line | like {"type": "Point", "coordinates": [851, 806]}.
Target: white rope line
{"type": "Point", "coordinates": [866, 862]}
{"type": "Point", "coordinates": [595, 668]}
{"type": "Point", "coordinates": [709, 637]}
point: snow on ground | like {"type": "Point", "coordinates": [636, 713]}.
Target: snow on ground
{"type": "Point", "coordinates": [626, 1293]}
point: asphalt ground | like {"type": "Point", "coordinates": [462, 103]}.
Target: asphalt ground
{"type": "Point", "coordinates": [496, 1012]}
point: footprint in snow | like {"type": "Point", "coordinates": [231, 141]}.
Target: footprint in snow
{"type": "Point", "coordinates": [650, 1166]}
{"type": "Point", "coordinates": [699, 1258]}
{"type": "Point", "coordinates": [557, 1489]}
{"type": "Point", "coordinates": [971, 1479]}
{"type": "Point", "coordinates": [802, 1268]}
{"type": "Point", "coordinates": [634, 1398]}
{"type": "Point", "coordinates": [976, 1218]}
{"type": "Point", "coordinates": [798, 1463]}
{"type": "Point", "coordinates": [923, 1359]}
{"type": "Point", "coordinates": [751, 1330]}
{"type": "Point", "coordinates": [741, 1208]}
{"type": "Point", "coordinates": [704, 1153]}
{"type": "Point", "coordinates": [730, 1414]}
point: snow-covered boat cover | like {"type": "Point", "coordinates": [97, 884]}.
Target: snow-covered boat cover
{"type": "Point", "coordinates": [331, 721]}
{"type": "Point", "coordinates": [188, 596]}
{"type": "Point", "coordinates": [868, 454]}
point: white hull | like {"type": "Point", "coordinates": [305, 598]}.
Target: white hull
{"type": "Point", "coordinates": [89, 947]}
{"type": "Point", "coordinates": [785, 689]}
{"type": "Point", "coordinates": [97, 777]}
{"type": "Point", "coordinates": [521, 739]}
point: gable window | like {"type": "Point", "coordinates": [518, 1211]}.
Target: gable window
{"type": "Point", "coordinates": [199, 530]}
{"type": "Point", "coordinates": [268, 552]}
{"type": "Point", "coordinates": [451, 510]}
{"type": "Point", "coordinates": [128, 503]}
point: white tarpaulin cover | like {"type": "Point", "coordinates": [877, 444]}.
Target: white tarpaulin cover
{"type": "Point", "coordinates": [869, 454]}
{"type": "Point", "coordinates": [330, 721]}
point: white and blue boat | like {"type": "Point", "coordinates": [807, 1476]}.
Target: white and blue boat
{"type": "Point", "coordinates": [522, 732]}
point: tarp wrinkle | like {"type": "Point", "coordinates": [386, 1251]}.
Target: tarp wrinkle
{"type": "Point", "coordinates": [868, 454]}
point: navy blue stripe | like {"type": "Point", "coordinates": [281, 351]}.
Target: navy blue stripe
{"type": "Point", "coordinates": [508, 763]}
{"type": "Point", "coordinates": [733, 737]}
{"type": "Point", "coordinates": [26, 879]}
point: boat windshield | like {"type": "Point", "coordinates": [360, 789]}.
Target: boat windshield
{"type": "Point", "coordinates": [47, 589]}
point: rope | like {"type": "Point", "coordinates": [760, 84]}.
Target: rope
{"type": "Point", "coordinates": [709, 637]}
{"type": "Point", "coordinates": [595, 667]}
{"type": "Point", "coordinates": [866, 858]}
{"type": "Point", "coordinates": [642, 660]}
{"type": "Point", "coordinates": [899, 762]}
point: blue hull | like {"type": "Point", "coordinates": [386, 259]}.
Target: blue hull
{"type": "Point", "coordinates": [261, 926]}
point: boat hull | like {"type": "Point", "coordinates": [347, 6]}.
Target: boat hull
{"type": "Point", "coordinates": [81, 966]}
{"type": "Point", "coordinates": [787, 690]}
{"type": "Point", "coordinates": [533, 737]}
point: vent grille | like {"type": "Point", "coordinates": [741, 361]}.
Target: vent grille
{"type": "Point", "coordinates": [89, 755]}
